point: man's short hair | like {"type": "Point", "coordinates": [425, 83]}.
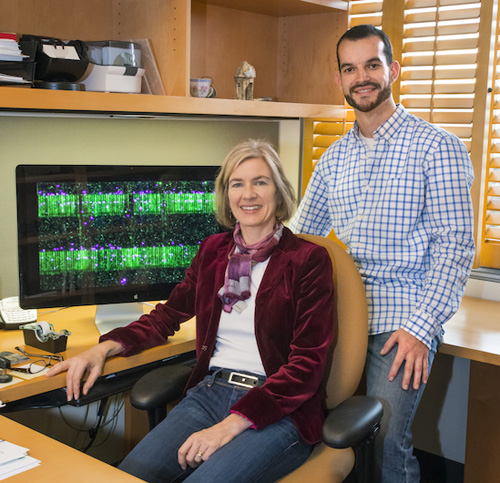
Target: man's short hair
{"type": "Point", "coordinates": [364, 31]}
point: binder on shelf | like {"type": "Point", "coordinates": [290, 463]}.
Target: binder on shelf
{"type": "Point", "coordinates": [17, 63]}
{"type": "Point", "coordinates": [8, 35]}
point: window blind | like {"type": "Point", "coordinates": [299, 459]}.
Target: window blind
{"type": "Point", "coordinates": [444, 50]}
{"type": "Point", "coordinates": [439, 62]}
{"type": "Point", "coordinates": [319, 134]}
{"type": "Point", "coordinates": [490, 239]}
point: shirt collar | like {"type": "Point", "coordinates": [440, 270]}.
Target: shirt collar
{"type": "Point", "coordinates": [389, 128]}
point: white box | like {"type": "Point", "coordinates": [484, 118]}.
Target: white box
{"type": "Point", "coordinates": [115, 66]}
{"type": "Point", "coordinates": [112, 78]}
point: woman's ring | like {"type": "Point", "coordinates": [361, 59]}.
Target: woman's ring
{"type": "Point", "coordinates": [200, 454]}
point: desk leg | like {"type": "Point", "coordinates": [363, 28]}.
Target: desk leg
{"type": "Point", "coordinates": [482, 462]}
{"type": "Point", "coordinates": [136, 424]}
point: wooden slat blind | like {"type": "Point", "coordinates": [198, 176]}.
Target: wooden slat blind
{"type": "Point", "coordinates": [490, 240]}
{"type": "Point", "coordinates": [440, 44]}
{"type": "Point", "coordinates": [326, 132]}
{"type": "Point", "coordinates": [439, 62]}
{"type": "Point", "coordinates": [440, 83]}
{"type": "Point", "coordinates": [319, 134]}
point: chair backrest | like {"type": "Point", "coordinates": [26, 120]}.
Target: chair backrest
{"type": "Point", "coordinates": [352, 318]}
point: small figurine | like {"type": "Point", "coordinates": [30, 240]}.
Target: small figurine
{"type": "Point", "coordinates": [243, 82]}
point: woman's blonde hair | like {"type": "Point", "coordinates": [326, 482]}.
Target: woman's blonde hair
{"type": "Point", "coordinates": [251, 149]}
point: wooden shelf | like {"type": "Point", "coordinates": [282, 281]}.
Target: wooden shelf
{"type": "Point", "coordinates": [294, 56]}
{"type": "Point", "coordinates": [39, 100]}
{"type": "Point", "coordinates": [192, 38]}
{"type": "Point", "coordinates": [281, 8]}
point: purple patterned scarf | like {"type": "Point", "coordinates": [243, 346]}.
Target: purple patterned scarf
{"type": "Point", "coordinates": [239, 268]}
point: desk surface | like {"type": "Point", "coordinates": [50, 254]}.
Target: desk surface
{"type": "Point", "coordinates": [80, 321]}
{"type": "Point", "coordinates": [474, 331]}
{"type": "Point", "coordinates": [58, 461]}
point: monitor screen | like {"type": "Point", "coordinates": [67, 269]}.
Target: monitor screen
{"type": "Point", "coordinates": [109, 234]}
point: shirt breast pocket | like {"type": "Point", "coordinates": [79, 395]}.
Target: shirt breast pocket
{"type": "Point", "coordinates": [398, 201]}
{"type": "Point", "coordinates": [393, 162]}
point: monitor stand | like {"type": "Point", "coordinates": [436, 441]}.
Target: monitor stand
{"type": "Point", "coordinates": [111, 316]}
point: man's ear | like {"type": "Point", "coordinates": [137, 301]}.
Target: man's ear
{"type": "Point", "coordinates": [394, 69]}
{"type": "Point", "coordinates": [337, 80]}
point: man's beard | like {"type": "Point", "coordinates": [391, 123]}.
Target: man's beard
{"type": "Point", "coordinates": [383, 94]}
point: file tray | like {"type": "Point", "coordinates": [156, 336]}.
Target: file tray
{"type": "Point", "coordinates": [24, 69]}
{"type": "Point", "coordinates": [37, 335]}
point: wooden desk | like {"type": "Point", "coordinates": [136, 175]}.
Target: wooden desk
{"type": "Point", "coordinates": [80, 321]}
{"type": "Point", "coordinates": [58, 461]}
{"type": "Point", "coordinates": [474, 333]}
{"type": "Point", "coordinates": [84, 334]}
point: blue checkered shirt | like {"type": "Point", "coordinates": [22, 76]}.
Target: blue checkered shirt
{"type": "Point", "coordinates": [403, 210]}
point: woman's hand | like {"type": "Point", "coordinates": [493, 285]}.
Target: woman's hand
{"type": "Point", "coordinates": [203, 444]}
{"type": "Point", "coordinates": [88, 363]}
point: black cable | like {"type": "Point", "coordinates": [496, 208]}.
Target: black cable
{"type": "Point", "coordinates": [94, 430]}
{"type": "Point", "coordinates": [113, 421]}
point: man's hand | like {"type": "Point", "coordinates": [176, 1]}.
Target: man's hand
{"type": "Point", "coordinates": [413, 353]}
{"type": "Point", "coordinates": [203, 444]}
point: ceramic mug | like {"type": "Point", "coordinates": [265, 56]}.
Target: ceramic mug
{"type": "Point", "coordinates": [201, 87]}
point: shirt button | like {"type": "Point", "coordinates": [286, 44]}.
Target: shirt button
{"type": "Point", "coordinates": [204, 347]}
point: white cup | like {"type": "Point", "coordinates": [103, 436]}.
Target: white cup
{"type": "Point", "coordinates": [201, 88]}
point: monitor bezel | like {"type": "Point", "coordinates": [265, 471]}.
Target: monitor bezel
{"type": "Point", "coordinates": [27, 175]}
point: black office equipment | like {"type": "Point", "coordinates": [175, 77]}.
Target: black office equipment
{"type": "Point", "coordinates": [57, 61]}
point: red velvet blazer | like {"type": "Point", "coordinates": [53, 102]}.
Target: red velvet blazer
{"type": "Point", "coordinates": [294, 326]}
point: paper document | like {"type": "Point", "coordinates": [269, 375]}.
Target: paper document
{"type": "Point", "coordinates": [14, 459]}
{"type": "Point", "coordinates": [18, 466]}
{"type": "Point", "coordinates": [13, 79]}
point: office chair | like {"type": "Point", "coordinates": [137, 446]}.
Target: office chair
{"type": "Point", "coordinates": [353, 421]}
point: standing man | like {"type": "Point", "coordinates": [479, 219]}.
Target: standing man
{"type": "Point", "coordinates": [395, 189]}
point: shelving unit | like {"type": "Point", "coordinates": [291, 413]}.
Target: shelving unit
{"type": "Point", "coordinates": [291, 43]}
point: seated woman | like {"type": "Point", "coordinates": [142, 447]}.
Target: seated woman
{"type": "Point", "coordinates": [263, 300]}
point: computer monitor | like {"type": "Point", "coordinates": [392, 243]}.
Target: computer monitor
{"type": "Point", "coordinates": [109, 235]}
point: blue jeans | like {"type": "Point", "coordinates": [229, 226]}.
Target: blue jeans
{"type": "Point", "coordinates": [394, 459]}
{"type": "Point", "coordinates": [253, 456]}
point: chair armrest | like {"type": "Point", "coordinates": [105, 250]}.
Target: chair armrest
{"type": "Point", "coordinates": [160, 386]}
{"type": "Point", "coordinates": [352, 422]}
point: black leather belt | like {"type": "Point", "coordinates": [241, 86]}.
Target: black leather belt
{"type": "Point", "coordinates": [239, 378]}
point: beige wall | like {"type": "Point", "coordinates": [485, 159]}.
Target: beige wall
{"type": "Point", "coordinates": [72, 140]}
